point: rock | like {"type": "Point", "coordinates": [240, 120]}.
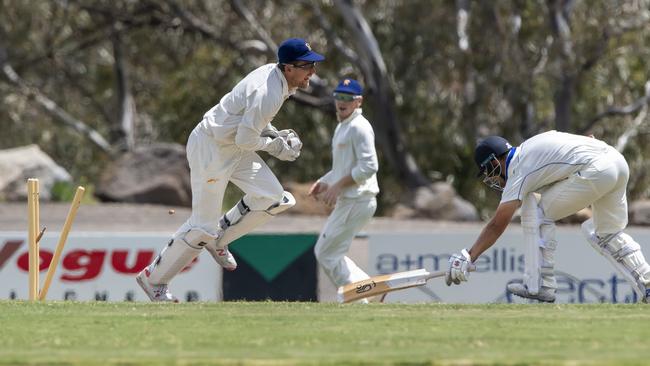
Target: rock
{"type": "Point", "coordinates": [19, 164]}
{"type": "Point", "coordinates": [401, 211]}
{"type": "Point", "coordinates": [438, 201]}
{"type": "Point", "coordinates": [462, 211]}
{"type": "Point", "coordinates": [435, 198]}
{"type": "Point", "coordinates": [640, 212]}
{"type": "Point", "coordinates": [150, 174]}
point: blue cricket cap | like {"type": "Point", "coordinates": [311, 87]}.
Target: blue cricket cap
{"type": "Point", "coordinates": [349, 86]}
{"type": "Point", "coordinates": [297, 49]}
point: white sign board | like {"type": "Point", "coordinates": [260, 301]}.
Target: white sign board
{"type": "Point", "coordinates": [583, 275]}
{"type": "Point", "coordinates": [101, 266]}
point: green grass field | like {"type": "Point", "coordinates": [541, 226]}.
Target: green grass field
{"type": "Point", "coordinates": [270, 333]}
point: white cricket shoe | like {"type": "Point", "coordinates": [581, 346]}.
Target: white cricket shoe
{"type": "Point", "coordinates": [545, 294]}
{"type": "Point", "coordinates": [155, 292]}
{"type": "Point", "coordinates": [223, 257]}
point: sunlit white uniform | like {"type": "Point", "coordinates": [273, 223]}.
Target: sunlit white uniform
{"type": "Point", "coordinates": [571, 172]}
{"type": "Point", "coordinates": [222, 148]}
{"type": "Point", "coordinates": [353, 153]}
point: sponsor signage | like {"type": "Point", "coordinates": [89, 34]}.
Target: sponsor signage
{"type": "Point", "coordinates": [279, 267]}
{"type": "Point", "coordinates": [583, 275]}
{"type": "Point", "coordinates": [101, 266]}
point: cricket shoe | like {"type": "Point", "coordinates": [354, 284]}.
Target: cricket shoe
{"type": "Point", "coordinates": [155, 292]}
{"type": "Point", "coordinates": [545, 294]}
{"type": "Point", "coordinates": [223, 257]}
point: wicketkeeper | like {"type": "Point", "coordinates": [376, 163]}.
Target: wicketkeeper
{"type": "Point", "coordinates": [223, 148]}
{"type": "Point", "coordinates": [568, 173]}
{"type": "Point", "coordinates": [351, 185]}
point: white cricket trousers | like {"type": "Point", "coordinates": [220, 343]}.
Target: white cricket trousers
{"type": "Point", "coordinates": [347, 219]}
{"type": "Point", "coordinates": [601, 184]}
{"type": "Point", "coordinates": [212, 166]}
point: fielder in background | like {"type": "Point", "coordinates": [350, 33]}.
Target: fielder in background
{"type": "Point", "coordinates": [553, 175]}
{"type": "Point", "coordinates": [221, 149]}
{"type": "Point", "coordinates": [351, 185]}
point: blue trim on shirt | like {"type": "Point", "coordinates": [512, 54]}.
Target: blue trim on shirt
{"type": "Point", "coordinates": [510, 155]}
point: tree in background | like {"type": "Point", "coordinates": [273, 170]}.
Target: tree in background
{"type": "Point", "coordinates": [88, 80]}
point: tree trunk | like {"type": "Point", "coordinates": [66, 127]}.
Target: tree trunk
{"type": "Point", "coordinates": [124, 128]}
{"type": "Point", "coordinates": [381, 97]}
{"type": "Point", "coordinates": [563, 99]}
{"type": "Point", "coordinates": [560, 14]}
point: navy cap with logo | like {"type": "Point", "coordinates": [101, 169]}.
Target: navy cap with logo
{"type": "Point", "coordinates": [487, 147]}
{"type": "Point", "coordinates": [297, 49]}
{"type": "Point", "coordinates": [349, 86]}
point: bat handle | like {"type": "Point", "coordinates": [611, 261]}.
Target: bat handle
{"type": "Point", "coordinates": [442, 273]}
{"type": "Point", "coordinates": [435, 274]}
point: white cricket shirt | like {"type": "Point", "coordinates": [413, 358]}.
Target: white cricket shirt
{"type": "Point", "coordinates": [242, 114]}
{"type": "Point", "coordinates": [353, 153]}
{"type": "Point", "coordinates": [547, 158]}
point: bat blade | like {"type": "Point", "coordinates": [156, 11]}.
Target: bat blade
{"type": "Point", "coordinates": [382, 284]}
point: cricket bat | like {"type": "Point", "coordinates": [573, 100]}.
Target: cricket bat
{"type": "Point", "coordinates": [383, 284]}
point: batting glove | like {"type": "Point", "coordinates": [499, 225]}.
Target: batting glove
{"type": "Point", "coordinates": [459, 267]}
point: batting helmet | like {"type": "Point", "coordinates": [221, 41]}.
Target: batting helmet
{"type": "Point", "coordinates": [489, 148]}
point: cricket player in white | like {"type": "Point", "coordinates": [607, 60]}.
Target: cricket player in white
{"type": "Point", "coordinates": [351, 185]}
{"type": "Point", "coordinates": [221, 149]}
{"type": "Point", "coordinates": [567, 172]}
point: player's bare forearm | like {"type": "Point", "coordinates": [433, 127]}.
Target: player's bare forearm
{"type": "Point", "coordinates": [489, 235]}
{"type": "Point", "coordinates": [493, 230]}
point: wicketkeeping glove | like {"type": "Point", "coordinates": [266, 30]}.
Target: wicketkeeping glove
{"type": "Point", "coordinates": [279, 148]}
{"type": "Point", "coordinates": [270, 131]}
{"type": "Point", "coordinates": [459, 267]}
{"type": "Point", "coordinates": [289, 135]}
{"type": "Point", "coordinates": [292, 139]}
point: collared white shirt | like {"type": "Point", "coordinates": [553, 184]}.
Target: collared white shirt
{"type": "Point", "coordinates": [548, 158]}
{"type": "Point", "coordinates": [242, 114]}
{"type": "Point", "coordinates": [353, 153]}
